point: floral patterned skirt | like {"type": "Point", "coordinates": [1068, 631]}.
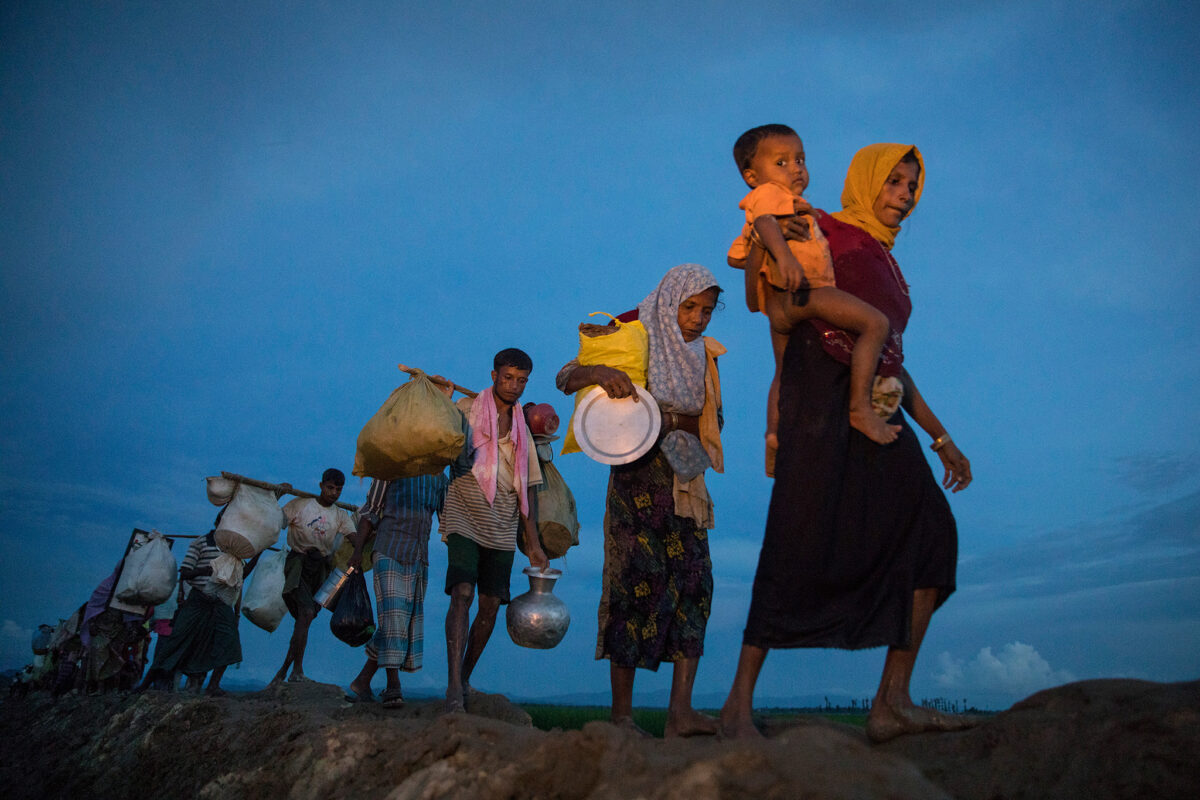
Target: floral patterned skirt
{"type": "Point", "coordinates": [657, 573]}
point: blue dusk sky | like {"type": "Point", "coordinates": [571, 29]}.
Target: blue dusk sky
{"type": "Point", "coordinates": [222, 225]}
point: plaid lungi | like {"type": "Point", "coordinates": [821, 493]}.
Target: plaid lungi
{"type": "Point", "coordinates": [399, 637]}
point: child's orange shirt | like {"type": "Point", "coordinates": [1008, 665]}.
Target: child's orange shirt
{"type": "Point", "coordinates": [813, 255]}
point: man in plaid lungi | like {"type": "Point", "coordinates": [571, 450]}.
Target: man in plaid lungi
{"type": "Point", "coordinates": [399, 515]}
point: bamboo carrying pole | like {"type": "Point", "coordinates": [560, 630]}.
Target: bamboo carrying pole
{"type": "Point", "coordinates": [278, 489]}
{"type": "Point", "coordinates": [439, 381]}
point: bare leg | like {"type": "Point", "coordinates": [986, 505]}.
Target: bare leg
{"type": "Point", "coordinates": [300, 642]}
{"type": "Point", "coordinates": [778, 344]}
{"type": "Point", "coordinates": [461, 597]}
{"type": "Point", "coordinates": [214, 682]}
{"type": "Point", "coordinates": [481, 631]}
{"type": "Point", "coordinates": [621, 680]}
{"type": "Point", "coordinates": [844, 310]}
{"type": "Point", "coordinates": [682, 719]}
{"type": "Point", "coordinates": [296, 647]}
{"type": "Point", "coordinates": [393, 679]}
{"type": "Point", "coordinates": [893, 712]}
{"type": "Point", "coordinates": [737, 715]}
{"type": "Point", "coordinates": [361, 685]}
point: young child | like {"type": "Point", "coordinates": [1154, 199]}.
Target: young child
{"type": "Point", "coordinates": [795, 281]}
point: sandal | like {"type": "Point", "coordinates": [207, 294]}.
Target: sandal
{"type": "Point", "coordinates": [392, 698]}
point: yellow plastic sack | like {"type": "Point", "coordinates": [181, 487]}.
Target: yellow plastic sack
{"type": "Point", "coordinates": [417, 431]}
{"type": "Point", "coordinates": [624, 346]}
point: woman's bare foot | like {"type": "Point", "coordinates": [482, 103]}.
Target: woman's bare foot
{"type": "Point", "coordinates": [738, 725]}
{"type": "Point", "coordinates": [772, 445]}
{"type": "Point", "coordinates": [885, 722]}
{"type": "Point", "coordinates": [454, 702]}
{"type": "Point", "coordinates": [690, 722]}
{"type": "Point", "coordinates": [627, 724]}
{"type": "Point", "coordinates": [870, 425]}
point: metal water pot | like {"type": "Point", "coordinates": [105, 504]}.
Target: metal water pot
{"type": "Point", "coordinates": [327, 595]}
{"type": "Point", "coordinates": [538, 618]}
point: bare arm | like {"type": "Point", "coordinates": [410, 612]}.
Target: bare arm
{"type": "Point", "coordinates": [768, 230]}
{"type": "Point", "coordinates": [613, 380]}
{"type": "Point", "coordinates": [958, 468]}
{"type": "Point", "coordinates": [533, 544]}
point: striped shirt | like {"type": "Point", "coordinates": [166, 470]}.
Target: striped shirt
{"type": "Point", "coordinates": [468, 512]}
{"type": "Point", "coordinates": [401, 512]}
{"type": "Point", "coordinates": [201, 553]}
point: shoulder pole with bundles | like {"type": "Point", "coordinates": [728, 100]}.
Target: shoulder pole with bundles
{"type": "Point", "coordinates": [279, 489]}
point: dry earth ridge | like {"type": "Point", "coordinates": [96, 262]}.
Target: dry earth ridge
{"type": "Point", "coordinates": [1092, 740]}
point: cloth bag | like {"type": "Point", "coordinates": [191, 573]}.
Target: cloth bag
{"type": "Point", "coordinates": [250, 523]}
{"type": "Point", "coordinates": [417, 431]}
{"type": "Point", "coordinates": [149, 575]}
{"type": "Point", "coordinates": [227, 570]}
{"type": "Point", "coordinates": [353, 621]}
{"type": "Point", "coordinates": [262, 602]}
{"type": "Point", "coordinates": [558, 522]}
{"type": "Point", "coordinates": [623, 345]}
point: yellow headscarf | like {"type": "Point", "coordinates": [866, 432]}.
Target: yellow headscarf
{"type": "Point", "coordinates": [869, 169]}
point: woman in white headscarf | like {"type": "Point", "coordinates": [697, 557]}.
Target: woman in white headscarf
{"type": "Point", "coordinates": [657, 590]}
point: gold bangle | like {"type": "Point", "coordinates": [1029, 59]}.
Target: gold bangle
{"type": "Point", "coordinates": [939, 442]}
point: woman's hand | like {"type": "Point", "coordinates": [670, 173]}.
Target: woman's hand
{"type": "Point", "coordinates": [615, 382]}
{"type": "Point", "coordinates": [795, 227]}
{"type": "Point", "coordinates": [958, 468]}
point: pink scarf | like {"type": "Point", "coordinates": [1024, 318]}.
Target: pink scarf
{"type": "Point", "coordinates": [485, 438]}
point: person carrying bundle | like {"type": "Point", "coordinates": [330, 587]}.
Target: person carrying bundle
{"type": "Point", "coordinates": [490, 495]}
{"type": "Point", "coordinates": [399, 515]}
{"type": "Point", "coordinates": [204, 636]}
{"type": "Point", "coordinates": [313, 527]}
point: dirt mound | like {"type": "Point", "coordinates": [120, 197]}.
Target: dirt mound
{"type": "Point", "coordinates": [305, 741]}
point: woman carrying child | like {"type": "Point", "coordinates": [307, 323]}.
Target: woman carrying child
{"type": "Point", "coordinates": [794, 281]}
{"type": "Point", "coordinates": [658, 583]}
{"type": "Point", "coordinates": [860, 545]}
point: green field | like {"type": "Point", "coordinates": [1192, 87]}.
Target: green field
{"type": "Point", "coordinates": [572, 718]}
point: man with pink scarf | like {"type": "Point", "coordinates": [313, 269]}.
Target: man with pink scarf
{"type": "Point", "coordinates": [488, 500]}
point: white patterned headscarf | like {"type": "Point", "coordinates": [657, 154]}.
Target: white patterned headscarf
{"type": "Point", "coordinates": [676, 372]}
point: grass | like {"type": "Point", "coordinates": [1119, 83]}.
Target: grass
{"type": "Point", "coordinates": [653, 720]}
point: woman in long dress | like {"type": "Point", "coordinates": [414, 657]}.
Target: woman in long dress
{"type": "Point", "coordinates": [657, 591]}
{"type": "Point", "coordinates": [860, 545]}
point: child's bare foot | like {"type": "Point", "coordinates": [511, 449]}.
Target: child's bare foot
{"type": "Point", "coordinates": [772, 442]}
{"type": "Point", "coordinates": [870, 425]}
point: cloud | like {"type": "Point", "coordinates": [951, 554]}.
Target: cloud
{"type": "Point", "coordinates": [1157, 543]}
{"type": "Point", "coordinates": [1017, 671]}
{"type": "Point", "coordinates": [1154, 472]}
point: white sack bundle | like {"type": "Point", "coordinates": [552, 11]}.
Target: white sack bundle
{"type": "Point", "coordinates": [149, 575]}
{"type": "Point", "coordinates": [250, 523]}
{"type": "Point", "coordinates": [220, 490]}
{"type": "Point", "coordinates": [227, 571]}
{"type": "Point", "coordinates": [262, 602]}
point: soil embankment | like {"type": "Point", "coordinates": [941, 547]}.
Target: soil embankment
{"type": "Point", "coordinates": [1092, 740]}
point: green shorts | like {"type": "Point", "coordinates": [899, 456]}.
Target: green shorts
{"type": "Point", "coordinates": [303, 575]}
{"type": "Point", "coordinates": [487, 569]}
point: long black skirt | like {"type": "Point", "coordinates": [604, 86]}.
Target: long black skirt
{"type": "Point", "coordinates": [853, 528]}
{"type": "Point", "coordinates": [204, 636]}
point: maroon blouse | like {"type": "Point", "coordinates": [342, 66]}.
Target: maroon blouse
{"type": "Point", "coordinates": [866, 270]}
